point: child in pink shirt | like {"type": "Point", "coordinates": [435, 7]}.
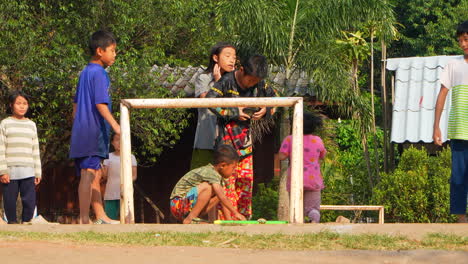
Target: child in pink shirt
{"type": "Point", "coordinates": [314, 150]}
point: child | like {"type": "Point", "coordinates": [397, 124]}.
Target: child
{"type": "Point", "coordinates": [92, 117]}
{"type": "Point", "coordinates": [455, 77]}
{"type": "Point", "coordinates": [314, 151]}
{"type": "Point", "coordinates": [111, 172]}
{"type": "Point", "coordinates": [199, 191]}
{"type": "Point", "coordinates": [20, 164]}
{"type": "Point", "coordinates": [222, 60]}
{"type": "Point", "coordinates": [234, 124]}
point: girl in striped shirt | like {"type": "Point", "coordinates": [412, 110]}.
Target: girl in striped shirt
{"type": "Point", "coordinates": [20, 164]}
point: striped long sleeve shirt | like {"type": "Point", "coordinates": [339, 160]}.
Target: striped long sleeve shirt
{"type": "Point", "coordinates": [19, 145]}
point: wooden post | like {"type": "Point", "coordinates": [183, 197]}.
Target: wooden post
{"type": "Point", "coordinates": [381, 215]}
{"type": "Point", "coordinates": [126, 183]}
{"type": "Point", "coordinates": [296, 206]}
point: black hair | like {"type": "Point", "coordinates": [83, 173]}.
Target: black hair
{"type": "Point", "coordinates": [256, 66]}
{"type": "Point", "coordinates": [12, 99]}
{"type": "Point", "coordinates": [462, 28]}
{"type": "Point", "coordinates": [225, 153]}
{"type": "Point", "coordinates": [216, 50]}
{"type": "Point", "coordinates": [100, 39]}
{"type": "Point", "coordinates": [312, 123]}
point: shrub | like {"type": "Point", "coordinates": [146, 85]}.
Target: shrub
{"type": "Point", "coordinates": [418, 190]}
{"type": "Point", "coordinates": [265, 201]}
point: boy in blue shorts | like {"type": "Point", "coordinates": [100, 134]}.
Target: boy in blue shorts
{"type": "Point", "coordinates": [200, 190]}
{"type": "Point", "coordinates": [91, 125]}
{"type": "Point", "coordinates": [455, 78]}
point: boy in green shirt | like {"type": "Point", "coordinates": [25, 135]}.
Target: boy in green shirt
{"type": "Point", "coordinates": [200, 190]}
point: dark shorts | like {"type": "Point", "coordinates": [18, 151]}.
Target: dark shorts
{"type": "Point", "coordinates": [92, 162]}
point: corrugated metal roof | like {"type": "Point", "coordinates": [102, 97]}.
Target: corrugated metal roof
{"type": "Point", "coordinates": [417, 85]}
{"type": "Point", "coordinates": [178, 79]}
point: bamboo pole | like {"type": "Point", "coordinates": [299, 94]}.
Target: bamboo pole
{"type": "Point", "coordinates": [126, 183]}
{"type": "Point", "coordinates": [296, 210]}
{"type": "Point", "coordinates": [383, 85]}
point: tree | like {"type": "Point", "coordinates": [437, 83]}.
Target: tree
{"type": "Point", "coordinates": [300, 35]}
{"type": "Point", "coordinates": [43, 47]}
{"type": "Point", "coordinates": [428, 27]}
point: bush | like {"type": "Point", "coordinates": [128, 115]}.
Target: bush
{"type": "Point", "coordinates": [265, 201]}
{"type": "Point", "coordinates": [418, 190]}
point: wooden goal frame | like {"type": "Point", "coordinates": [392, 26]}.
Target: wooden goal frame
{"type": "Point", "coordinates": [296, 202]}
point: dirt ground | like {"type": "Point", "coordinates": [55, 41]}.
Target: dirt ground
{"type": "Point", "coordinates": [55, 252]}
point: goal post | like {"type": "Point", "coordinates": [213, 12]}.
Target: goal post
{"type": "Point", "coordinates": [126, 186]}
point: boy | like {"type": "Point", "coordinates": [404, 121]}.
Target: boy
{"type": "Point", "coordinates": [234, 124]}
{"type": "Point", "coordinates": [92, 116]}
{"type": "Point", "coordinates": [200, 190]}
{"type": "Point", "coordinates": [455, 78]}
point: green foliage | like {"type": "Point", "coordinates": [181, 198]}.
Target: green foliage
{"type": "Point", "coordinates": [418, 190]}
{"type": "Point", "coordinates": [344, 169]}
{"type": "Point", "coordinates": [43, 47]}
{"type": "Point", "coordinates": [428, 27]}
{"type": "Point", "coordinates": [265, 201]}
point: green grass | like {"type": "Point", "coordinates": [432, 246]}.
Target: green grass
{"type": "Point", "coordinates": [316, 241]}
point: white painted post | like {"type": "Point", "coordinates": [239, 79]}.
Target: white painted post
{"type": "Point", "coordinates": [126, 182]}
{"type": "Point", "coordinates": [296, 205]}
{"type": "Point", "coordinates": [296, 201]}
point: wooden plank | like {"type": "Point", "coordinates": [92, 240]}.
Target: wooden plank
{"type": "Point", "coordinates": [379, 208]}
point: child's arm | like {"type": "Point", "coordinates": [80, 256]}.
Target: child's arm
{"type": "Point", "coordinates": [37, 158]}
{"type": "Point", "coordinates": [74, 110]}
{"type": "Point", "coordinates": [285, 148]}
{"type": "Point", "coordinates": [106, 114]}
{"type": "Point", "coordinates": [4, 176]}
{"type": "Point", "coordinates": [219, 192]}
{"type": "Point", "coordinates": [437, 134]}
{"type": "Point", "coordinates": [229, 113]}
{"type": "Point", "coordinates": [282, 156]}
{"type": "Point", "coordinates": [134, 173]}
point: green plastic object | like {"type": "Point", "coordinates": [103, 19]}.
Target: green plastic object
{"type": "Point", "coordinates": [249, 222]}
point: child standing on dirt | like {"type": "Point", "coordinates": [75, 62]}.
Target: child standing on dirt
{"type": "Point", "coordinates": [455, 78]}
{"type": "Point", "coordinates": [200, 190]}
{"type": "Point", "coordinates": [92, 108]}
{"type": "Point", "coordinates": [111, 172]}
{"type": "Point", "coordinates": [222, 59]}
{"type": "Point", "coordinates": [314, 151]}
{"type": "Point", "coordinates": [234, 124]}
{"type": "Point", "coordinates": [20, 163]}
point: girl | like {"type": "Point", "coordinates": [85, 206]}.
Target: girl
{"type": "Point", "coordinates": [222, 59]}
{"type": "Point", "coordinates": [112, 174]}
{"type": "Point", "coordinates": [20, 164]}
{"type": "Point", "coordinates": [314, 150]}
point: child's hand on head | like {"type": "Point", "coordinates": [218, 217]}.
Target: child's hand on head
{"type": "Point", "coordinates": [259, 114]}
{"type": "Point", "coordinates": [216, 72]}
{"type": "Point", "coordinates": [243, 116]}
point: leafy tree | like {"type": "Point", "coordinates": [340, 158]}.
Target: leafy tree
{"type": "Point", "coordinates": [43, 47]}
{"type": "Point", "coordinates": [428, 27]}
